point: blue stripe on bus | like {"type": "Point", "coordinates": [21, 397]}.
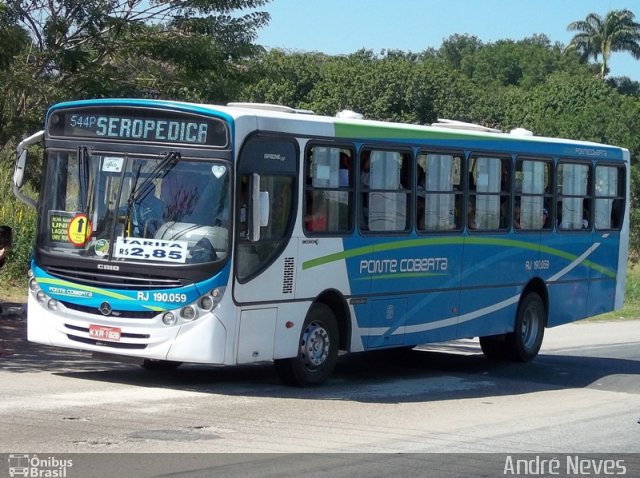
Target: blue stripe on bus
{"type": "Point", "coordinates": [127, 300]}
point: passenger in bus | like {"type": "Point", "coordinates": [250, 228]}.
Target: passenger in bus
{"type": "Point", "coordinates": [546, 220]}
{"type": "Point", "coordinates": [315, 220]}
{"type": "Point", "coordinates": [365, 168]}
{"type": "Point", "coordinates": [471, 215]}
{"type": "Point", "coordinates": [345, 170]}
{"type": "Point", "coordinates": [420, 211]}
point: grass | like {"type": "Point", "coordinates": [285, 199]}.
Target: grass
{"type": "Point", "coordinates": [631, 309]}
{"type": "Point", "coordinates": [14, 292]}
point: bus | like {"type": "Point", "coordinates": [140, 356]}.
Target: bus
{"type": "Point", "coordinates": [172, 232]}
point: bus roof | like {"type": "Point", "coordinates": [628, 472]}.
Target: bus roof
{"type": "Point", "coordinates": [445, 133]}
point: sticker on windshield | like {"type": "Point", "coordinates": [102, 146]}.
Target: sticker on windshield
{"type": "Point", "coordinates": [101, 247]}
{"type": "Point", "coordinates": [151, 249]}
{"type": "Point", "coordinates": [79, 230]}
{"type": "Point", "coordinates": [112, 164]}
{"type": "Point", "coordinates": [218, 171]}
{"type": "Point", "coordinates": [59, 225]}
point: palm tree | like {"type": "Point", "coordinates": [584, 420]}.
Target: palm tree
{"type": "Point", "coordinates": [617, 31]}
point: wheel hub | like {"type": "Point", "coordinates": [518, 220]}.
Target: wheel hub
{"type": "Point", "coordinates": [315, 345]}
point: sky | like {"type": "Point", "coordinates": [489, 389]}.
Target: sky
{"type": "Point", "coordinates": [344, 26]}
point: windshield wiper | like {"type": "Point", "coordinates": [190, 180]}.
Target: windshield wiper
{"type": "Point", "coordinates": [83, 178]}
{"type": "Point", "coordinates": [168, 162]}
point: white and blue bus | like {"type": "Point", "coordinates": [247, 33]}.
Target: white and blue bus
{"type": "Point", "coordinates": [175, 232]}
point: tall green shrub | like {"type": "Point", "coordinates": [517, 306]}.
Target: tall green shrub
{"type": "Point", "coordinates": [22, 219]}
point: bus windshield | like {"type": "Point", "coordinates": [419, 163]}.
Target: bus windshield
{"type": "Point", "coordinates": [125, 207]}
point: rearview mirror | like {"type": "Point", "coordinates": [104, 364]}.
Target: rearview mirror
{"type": "Point", "coordinates": [259, 209]}
{"type": "Point", "coordinates": [18, 173]}
{"type": "Point", "coordinates": [21, 166]}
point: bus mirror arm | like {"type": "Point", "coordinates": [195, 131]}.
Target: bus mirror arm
{"type": "Point", "coordinates": [259, 208]}
{"type": "Point", "coordinates": [21, 165]}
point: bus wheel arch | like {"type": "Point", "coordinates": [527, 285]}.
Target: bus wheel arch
{"type": "Point", "coordinates": [338, 305]}
{"type": "Point", "coordinates": [538, 286]}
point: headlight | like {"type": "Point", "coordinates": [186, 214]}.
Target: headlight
{"type": "Point", "coordinates": [169, 318]}
{"type": "Point", "coordinates": [33, 285]}
{"type": "Point", "coordinates": [205, 302]}
{"type": "Point", "coordinates": [41, 296]}
{"type": "Point", "coordinates": [188, 312]}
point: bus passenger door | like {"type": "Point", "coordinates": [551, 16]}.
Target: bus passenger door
{"type": "Point", "coordinates": [265, 201]}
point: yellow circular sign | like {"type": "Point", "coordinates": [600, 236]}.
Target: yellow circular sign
{"type": "Point", "coordinates": [79, 230]}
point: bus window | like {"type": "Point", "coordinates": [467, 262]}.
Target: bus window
{"type": "Point", "coordinates": [573, 202]}
{"type": "Point", "coordinates": [439, 194]}
{"type": "Point", "coordinates": [385, 190]}
{"type": "Point", "coordinates": [489, 189]}
{"type": "Point", "coordinates": [609, 201]}
{"type": "Point", "coordinates": [533, 195]}
{"type": "Point", "coordinates": [328, 201]}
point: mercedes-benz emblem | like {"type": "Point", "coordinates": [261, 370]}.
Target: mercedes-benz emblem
{"type": "Point", "coordinates": [105, 308]}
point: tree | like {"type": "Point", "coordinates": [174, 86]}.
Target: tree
{"type": "Point", "coordinates": [183, 49]}
{"type": "Point", "coordinates": [599, 36]}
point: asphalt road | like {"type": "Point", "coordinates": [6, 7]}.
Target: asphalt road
{"type": "Point", "coordinates": [580, 396]}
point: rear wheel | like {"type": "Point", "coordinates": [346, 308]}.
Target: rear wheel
{"type": "Point", "coordinates": [523, 344]}
{"type": "Point", "coordinates": [317, 351]}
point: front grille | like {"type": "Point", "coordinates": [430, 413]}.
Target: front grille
{"type": "Point", "coordinates": [115, 345]}
{"type": "Point", "coordinates": [125, 314]}
{"type": "Point", "coordinates": [129, 281]}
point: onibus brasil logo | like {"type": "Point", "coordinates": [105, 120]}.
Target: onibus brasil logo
{"type": "Point", "coordinates": [38, 467]}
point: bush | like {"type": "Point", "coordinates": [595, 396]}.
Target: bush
{"type": "Point", "coordinates": [22, 219]}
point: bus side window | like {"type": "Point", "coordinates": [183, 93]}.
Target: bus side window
{"type": "Point", "coordinates": [573, 206]}
{"type": "Point", "coordinates": [490, 192]}
{"type": "Point", "coordinates": [384, 195]}
{"type": "Point", "coordinates": [609, 199]}
{"type": "Point", "coordinates": [438, 195]}
{"type": "Point", "coordinates": [329, 190]}
{"type": "Point", "coordinates": [533, 197]}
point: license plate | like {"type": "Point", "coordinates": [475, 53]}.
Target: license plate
{"type": "Point", "coordinates": [99, 332]}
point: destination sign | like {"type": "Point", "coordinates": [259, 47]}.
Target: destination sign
{"type": "Point", "coordinates": [148, 126]}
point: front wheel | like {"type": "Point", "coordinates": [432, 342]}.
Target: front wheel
{"type": "Point", "coordinates": [523, 344]}
{"type": "Point", "coordinates": [317, 351]}
{"type": "Point", "coordinates": [159, 365]}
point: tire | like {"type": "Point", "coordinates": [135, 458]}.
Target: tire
{"type": "Point", "coordinates": [523, 344]}
{"type": "Point", "coordinates": [493, 347]}
{"type": "Point", "coordinates": [317, 352]}
{"type": "Point", "coordinates": [159, 365]}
